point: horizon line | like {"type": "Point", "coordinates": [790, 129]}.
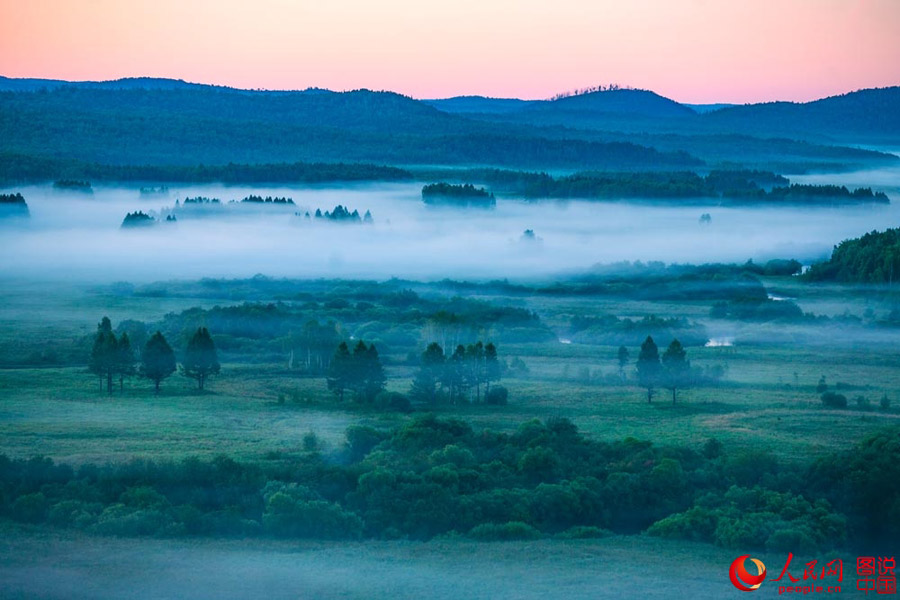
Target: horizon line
{"type": "Point", "coordinates": [559, 95]}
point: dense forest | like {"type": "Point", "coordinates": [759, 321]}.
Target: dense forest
{"type": "Point", "coordinates": [433, 476]}
{"type": "Point", "coordinates": [733, 186]}
{"type": "Point", "coordinates": [457, 195]}
{"type": "Point", "coordinates": [17, 168]}
{"type": "Point", "coordinates": [872, 258]}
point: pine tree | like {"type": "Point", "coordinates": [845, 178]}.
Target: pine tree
{"type": "Point", "coordinates": [677, 368]}
{"type": "Point", "coordinates": [430, 374]}
{"type": "Point", "coordinates": [338, 377]}
{"type": "Point", "coordinates": [375, 376]}
{"type": "Point", "coordinates": [623, 357]}
{"type": "Point", "coordinates": [200, 358]}
{"type": "Point", "coordinates": [492, 368]}
{"type": "Point", "coordinates": [475, 367]}
{"type": "Point", "coordinates": [157, 359]}
{"type": "Point", "coordinates": [104, 354]}
{"type": "Point", "coordinates": [648, 367]}
{"type": "Point", "coordinates": [125, 360]}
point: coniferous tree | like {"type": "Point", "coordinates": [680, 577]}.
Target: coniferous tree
{"type": "Point", "coordinates": [623, 357]}
{"type": "Point", "coordinates": [126, 360]}
{"type": "Point", "coordinates": [358, 370]}
{"type": "Point", "coordinates": [157, 360]}
{"type": "Point", "coordinates": [456, 374]}
{"type": "Point", "coordinates": [648, 367]}
{"type": "Point", "coordinates": [339, 371]}
{"type": "Point", "coordinates": [375, 379]}
{"type": "Point", "coordinates": [104, 354]}
{"type": "Point", "coordinates": [492, 368]}
{"type": "Point", "coordinates": [677, 368]}
{"type": "Point", "coordinates": [200, 358]}
{"type": "Point", "coordinates": [430, 374]}
{"type": "Point", "coordinates": [475, 367]}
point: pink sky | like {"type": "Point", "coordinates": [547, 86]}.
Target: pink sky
{"type": "Point", "coordinates": [691, 50]}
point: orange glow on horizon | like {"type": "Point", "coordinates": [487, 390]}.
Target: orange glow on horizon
{"type": "Point", "coordinates": [691, 51]}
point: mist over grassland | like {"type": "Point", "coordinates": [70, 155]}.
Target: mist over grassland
{"type": "Point", "coordinates": [72, 235]}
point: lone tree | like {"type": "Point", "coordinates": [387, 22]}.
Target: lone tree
{"type": "Point", "coordinates": [339, 374]}
{"type": "Point", "coordinates": [623, 357]}
{"type": "Point", "coordinates": [648, 367]}
{"type": "Point", "coordinates": [157, 359]}
{"type": "Point", "coordinates": [104, 354]}
{"type": "Point", "coordinates": [200, 359]}
{"type": "Point", "coordinates": [677, 368]}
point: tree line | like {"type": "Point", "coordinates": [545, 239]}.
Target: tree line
{"type": "Point", "coordinates": [458, 377]}
{"type": "Point", "coordinates": [114, 357]}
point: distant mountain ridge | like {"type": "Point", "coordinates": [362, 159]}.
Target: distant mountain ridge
{"type": "Point", "coordinates": [145, 120]}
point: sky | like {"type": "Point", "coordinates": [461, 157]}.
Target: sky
{"type": "Point", "coordinates": [695, 51]}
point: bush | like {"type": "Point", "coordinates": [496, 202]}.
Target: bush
{"type": "Point", "coordinates": [497, 396]}
{"type": "Point", "coordinates": [393, 401]}
{"type": "Point", "coordinates": [885, 402]}
{"type": "Point", "coordinates": [310, 441]}
{"type": "Point", "coordinates": [513, 530]}
{"type": "Point", "coordinates": [289, 516]}
{"type": "Point", "coordinates": [862, 403]}
{"type": "Point", "coordinates": [30, 508]}
{"type": "Point", "coordinates": [361, 440]}
{"type": "Point", "coordinates": [834, 400]}
{"type": "Point", "coordinates": [74, 513]}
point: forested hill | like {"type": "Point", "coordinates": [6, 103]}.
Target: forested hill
{"type": "Point", "coordinates": [147, 121]}
{"type": "Point", "coordinates": [217, 126]}
{"type": "Point", "coordinates": [868, 114]}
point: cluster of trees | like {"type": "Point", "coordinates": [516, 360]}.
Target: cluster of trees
{"type": "Point", "coordinates": [360, 371]}
{"type": "Point", "coordinates": [672, 371]}
{"type": "Point", "coordinates": [137, 218]}
{"type": "Point", "coordinates": [611, 330]}
{"type": "Point", "coordinates": [872, 258]}
{"type": "Point", "coordinates": [113, 356]}
{"type": "Point", "coordinates": [13, 205]}
{"type": "Point", "coordinates": [459, 377]}
{"type": "Point", "coordinates": [342, 214]}
{"type": "Point", "coordinates": [74, 185]}
{"type": "Point", "coordinates": [267, 200]}
{"type": "Point", "coordinates": [457, 195]}
{"type": "Point", "coordinates": [433, 476]}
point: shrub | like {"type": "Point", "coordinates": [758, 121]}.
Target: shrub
{"type": "Point", "coordinates": [497, 396]}
{"type": "Point", "coordinates": [310, 441]}
{"type": "Point", "coordinates": [30, 508]}
{"type": "Point", "coordinates": [122, 520]}
{"type": "Point", "coordinates": [74, 513]}
{"type": "Point", "coordinates": [513, 530]}
{"type": "Point", "coordinates": [393, 401]}
{"type": "Point", "coordinates": [361, 440]}
{"type": "Point", "coordinates": [288, 516]}
{"type": "Point", "coordinates": [821, 387]}
{"type": "Point", "coordinates": [862, 403]}
{"type": "Point", "coordinates": [885, 402]}
{"type": "Point", "coordinates": [834, 400]}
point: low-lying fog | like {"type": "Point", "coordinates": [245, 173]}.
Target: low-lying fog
{"type": "Point", "coordinates": [73, 235]}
